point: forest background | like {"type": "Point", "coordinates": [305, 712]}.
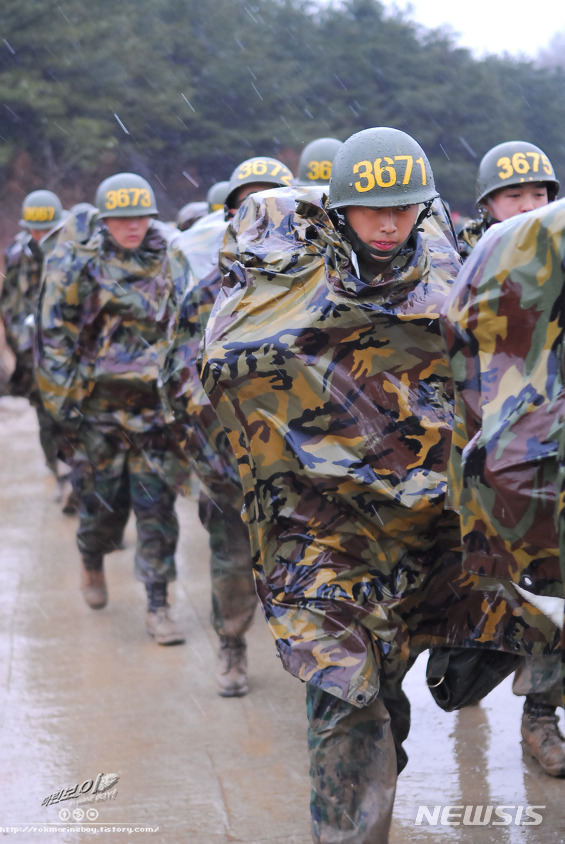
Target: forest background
{"type": "Point", "coordinates": [181, 91]}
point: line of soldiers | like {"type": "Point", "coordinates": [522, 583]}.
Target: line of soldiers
{"type": "Point", "coordinates": [297, 349]}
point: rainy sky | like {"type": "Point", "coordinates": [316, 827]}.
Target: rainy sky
{"type": "Point", "coordinates": [493, 26]}
{"type": "Point", "coordinates": [489, 26]}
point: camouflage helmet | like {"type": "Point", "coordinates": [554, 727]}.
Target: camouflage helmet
{"type": "Point", "coordinates": [515, 163]}
{"type": "Point", "coordinates": [380, 168]}
{"type": "Point", "coordinates": [41, 210]}
{"type": "Point", "coordinates": [216, 196]}
{"type": "Point", "coordinates": [125, 195]}
{"type": "Point", "coordinates": [315, 164]}
{"type": "Point", "coordinates": [261, 170]}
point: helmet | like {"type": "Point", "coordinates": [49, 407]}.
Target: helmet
{"type": "Point", "coordinates": [380, 168]}
{"type": "Point", "coordinates": [190, 213]}
{"type": "Point", "coordinates": [125, 195]}
{"type": "Point", "coordinates": [261, 169]}
{"type": "Point", "coordinates": [41, 210]}
{"type": "Point", "coordinates": [514, 163]}
{"type": "Point", "coordinates": [315, 164]}
{"type": "Point", "coordinates": [216, 196]}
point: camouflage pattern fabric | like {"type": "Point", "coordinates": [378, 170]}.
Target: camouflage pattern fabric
{"type": "Point", "coordinates": [353, 769]}
{"type": "Point", "coordinates": [336, 395]}
{"type": "Point", "coordinates": [104, 315]}
{"type": "Point", "coordinates": [103, 320]}
{"type": "Point", "coordinates": [112, 474]}
{"type": "Point", "coordinates": [560, 522]}
{"type": "Point", "coordinates": [18, 302]}
{"type": "Point", "coordinates": [205, 445]}
{"type": "Point", "coordinates": [204, 442]}
{"type": "Point", "coordinates": [540, 679]}
{"type": "Point", "coordinates": [504, 330]}
{"type": "Point", "coordinates": [470, 234]}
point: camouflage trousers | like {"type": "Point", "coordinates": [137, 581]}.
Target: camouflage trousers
{"type": "Point", "coordinates": [355, 757]}
{"type": "Point", "coordinates": [540, 679]}
{"type": "Point", "coordinates": [49, 435]}
{"type": "Point", "coordinates": [112, 475]}
{"type": "Point", "coordinates": [233, 589]}
{"type": "Point", "coordinates": [22, 383]}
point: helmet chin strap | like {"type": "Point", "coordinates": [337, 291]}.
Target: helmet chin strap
{"type": "Point", "coordinates": [369, 253]}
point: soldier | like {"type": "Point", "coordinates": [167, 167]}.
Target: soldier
{"type": "Point", "coordinates": [233, 591]}
{"type": "Point", "coordinates": [324, 361]}
{"type": "Point", "coordinates": [315, 163]}
{"type": "Point", "coordinates": [516, 177]}
{"type": "Point", "coordinates": [104, 314]}
{"type": "Point", "coordinates": [190, 213]}
{"type": "Point", "coordinates": [216, 196]}
{"type": "Point", "coordinates": [42, 213]}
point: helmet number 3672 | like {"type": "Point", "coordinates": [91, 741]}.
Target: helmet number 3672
{"type": "Point", "coordinates": [385, 174]}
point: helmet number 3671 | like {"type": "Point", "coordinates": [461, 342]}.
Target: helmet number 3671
{"type": "Point", "coordinates": [385, 175]}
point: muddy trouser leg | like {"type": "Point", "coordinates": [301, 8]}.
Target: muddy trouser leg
{"type": "Point", "coordinates": [539, 678]}
{"type": "Point", "coordinates": [153, 502]}
{"type": "Point", "coordinates": [353, 764]}
{"type": "Point", "coordinates": [101, 485]}
{"type": "Point", "coordinates": [233, 589]}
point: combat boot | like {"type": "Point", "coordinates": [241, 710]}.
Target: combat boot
{"type": "Point", "coordinates": [161, 626]}
{"type": "Point", "coordinates": [93, 583]}
{"type": "Point", "coordinates": [231, 673]}
{"type": "Point", "coordinates": [542, 739]}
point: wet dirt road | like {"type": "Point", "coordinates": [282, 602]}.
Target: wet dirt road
{"type": "Point", "coordinates": [86, 696]}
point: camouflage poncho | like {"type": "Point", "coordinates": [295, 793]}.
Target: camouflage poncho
{"type": "Point", "coordinates": [336, 395]}
{"type": "Point", "coordinates": [103, 320]}
{"type": "Point", "coordinates": [18, 304]}
{"type": "Point", "coordinates": [198, 429]}
{"type": "Point", "coordinates": [470, 235]}
{"type": "Point", "coordinates": [504, 326]}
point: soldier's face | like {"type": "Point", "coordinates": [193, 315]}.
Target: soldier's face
{"type": "Point", "coordinates": [36, 234]}
{"type": "Point", "coordinates": [128, 232]}
{"type": "Point", "coordinates": [247, 190]}
{"type": "Point", "coordinates": [384, 229]}
{"type": "Point", "coordinates": [508, 202]}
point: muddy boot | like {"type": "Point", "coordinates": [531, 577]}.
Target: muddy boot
{"type": "Point", "coordinates": [70, 507]}
{"type": "Point", "coordinates": [158, 622]}
{"type": "Point", "coordinates": [231, 672]}
{"type": "Point", "coordinates": [93, 582]}
{"type": "Point", "coordinates": [541, 737]}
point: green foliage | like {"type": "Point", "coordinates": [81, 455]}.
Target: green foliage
{"type": "Point", "coordinates": [181, 91]}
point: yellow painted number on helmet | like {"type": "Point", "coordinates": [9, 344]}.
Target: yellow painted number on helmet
{"type": "Point", "coordinates": [261, 167]}
{"type": "Point", "coordinates": [319, 170]}
{"type": "Point", "coordinates": [39, 214]}
{"type": "Point", "coordinates": [124, 197]}
{"type": "Point", "coordinates": [385, 175]}
{"type": "Point", "coordinates": [519, 164]}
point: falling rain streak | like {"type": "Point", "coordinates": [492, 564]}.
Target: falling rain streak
{"type": "Point", "coordinates": [121, 124]}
